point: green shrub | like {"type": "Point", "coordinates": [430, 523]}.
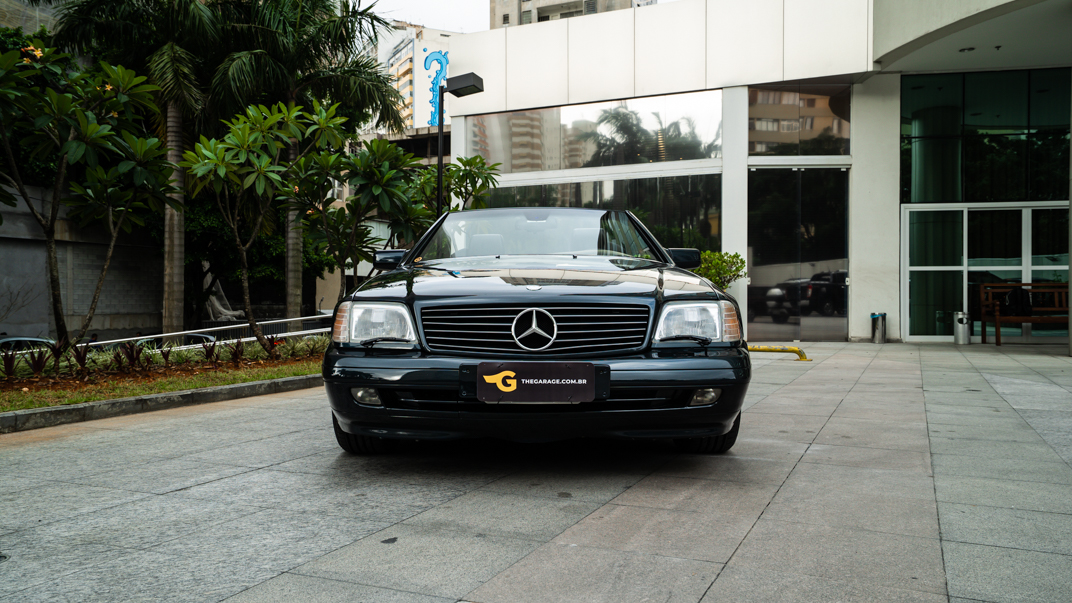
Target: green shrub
{"type": "Point", "coordinates": [721, 268]}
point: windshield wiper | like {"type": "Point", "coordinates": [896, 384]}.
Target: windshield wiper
{"type": "Point", "coordinates": [368, 343]}
{"type": "Point", "coordinates": [704, 341]}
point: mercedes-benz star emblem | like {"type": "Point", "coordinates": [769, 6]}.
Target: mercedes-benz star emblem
{"type": "Point", "coordinates": [534, 329]}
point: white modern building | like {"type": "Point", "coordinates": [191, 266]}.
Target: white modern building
{"type": "Point", "coordinates": [866, 156]}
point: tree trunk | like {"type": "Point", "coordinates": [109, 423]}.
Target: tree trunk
{"type": "Point", "coordinates": [100, 281]}
{"type": "Point", "coordinates": [247, 304]}
{"type": "Point", "coordinates": [54, 285]}
{"type": "Point", "coordinates": [294, 254]}
{"type": "Point", "coordinates": [174, 230]}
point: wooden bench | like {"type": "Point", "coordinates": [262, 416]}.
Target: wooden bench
{"type": "Point", "coordinates": [1048, 300]}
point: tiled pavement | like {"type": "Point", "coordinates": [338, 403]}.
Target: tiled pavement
{"type": "Point", "coordinates": [910, 473]}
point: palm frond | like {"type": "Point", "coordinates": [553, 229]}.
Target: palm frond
{"type": "Point", "coordinates": [174, 69]}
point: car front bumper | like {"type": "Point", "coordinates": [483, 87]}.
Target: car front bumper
{"type": "Point", "coordinates": [433, 397]}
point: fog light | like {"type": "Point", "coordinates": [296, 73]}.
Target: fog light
{"type": "Point", "coordinates": [366, 396]}
{"type": "Point", "coordinates": [703, 397]}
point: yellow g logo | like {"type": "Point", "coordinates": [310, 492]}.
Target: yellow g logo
{"type": "Point", "coordinates": [503, 381]}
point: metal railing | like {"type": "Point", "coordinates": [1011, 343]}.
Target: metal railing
{"type": "Point", "coordinates": [240, 331]}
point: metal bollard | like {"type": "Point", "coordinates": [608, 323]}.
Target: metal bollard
{"type": "Point", "coordinates": [878, 327]}
{"type": "Point", "coordinates": [961, 328]}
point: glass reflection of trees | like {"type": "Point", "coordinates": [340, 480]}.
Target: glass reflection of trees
{"type": "Point", "coordinates": [681, 211]}
{"type": "Point", "coordinates": [654, 129]}
{"type": "Point", "coordinates": [621, 138]}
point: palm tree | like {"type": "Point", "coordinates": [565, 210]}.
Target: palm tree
{"type": "Point", "coordinates": [298, 51]}
{"type": "Point", "coordinates": [163, 39]}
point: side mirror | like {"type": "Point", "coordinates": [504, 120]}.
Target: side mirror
{"type": "Point", "coordinates": [388, 259]}
{"type": "Point", "coordinates": [685, 258]}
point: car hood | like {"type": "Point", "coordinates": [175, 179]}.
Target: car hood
{"type": "Point", "coordinates": [542, 276]}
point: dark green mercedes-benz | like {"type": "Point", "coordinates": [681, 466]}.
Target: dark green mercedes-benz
{"type": "Point", "coordinates": [537, 324]}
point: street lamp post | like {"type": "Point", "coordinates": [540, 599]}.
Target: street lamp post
{"type": "Point", "coordinates": [462, 85]}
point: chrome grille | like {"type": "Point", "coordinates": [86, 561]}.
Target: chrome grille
{"type": "Point", "coordinates": [582, 328]}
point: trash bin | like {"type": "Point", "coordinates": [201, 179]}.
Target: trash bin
{"type": "Point", "coordinates": [878, 327]}
{"type": "Point", "coordinates": [961, 328]}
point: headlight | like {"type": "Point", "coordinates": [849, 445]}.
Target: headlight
{"type": "Point", "coordinates": [372, 324]}
{"type": "Point", "coordinates": [703, 322]}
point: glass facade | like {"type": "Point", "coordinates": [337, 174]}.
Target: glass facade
{"type": "Point", "coordinates": [798, 254]}
{"type": "Point", "coordinates": [985, 137]}
{"type": "Point", "coordinates": [638, 130]}
{"type": "Point", "coordinates": [798, 119]}
{"type": "Point", "coordinates": [681, 211]}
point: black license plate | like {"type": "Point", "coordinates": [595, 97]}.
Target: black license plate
{"type": "Point", "coordinates": [535, 382]}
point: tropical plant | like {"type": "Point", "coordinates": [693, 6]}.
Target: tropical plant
{"type": "Point", "coordinates": [471, 179]}
{"type": "Point", "coordinates": [167, 40]}
{"type": "Point", "coordinates": [121, 196]}
{"type": "Point", "coordinates": [245, 171]}
{"type": "Point", "coordinates": [297, 52]}
{"type": "Point", "coordinates": [75, 116]}
{"type": "Point", "coordinates": [721, 268]}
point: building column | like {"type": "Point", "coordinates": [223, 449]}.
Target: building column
{"type": "Point", "coordinates": [1070, 236]}
{"type": "Point", "coordinates": [735, 185]}
{"type": "Point", "coordinates": [875, 207]}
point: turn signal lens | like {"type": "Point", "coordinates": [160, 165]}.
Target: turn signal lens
{"type": "Point", "coordinates": [731, 324]}
{"type": "Point", "coordinates": [340, 332]}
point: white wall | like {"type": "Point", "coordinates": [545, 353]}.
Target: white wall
{"type": "Point", "coordinates": [601, 60]}
{"type": "Point", "coordinates": [661, 49]}
{"type": "Point", "coordinates": [874, 206]}
{"type": "Point", "coordinates": [537, 71]}
{"type": "Point", "coordinates": [671, 47]}
{"type": "Point", "coordinates": [825, 37]}
{"type": "Point", "coordinates": [735, 53]}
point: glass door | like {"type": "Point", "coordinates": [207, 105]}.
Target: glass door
{"type": "Point", "coordinates": [951, 252]}
{"type": "Point", "coordinates": [798, 254]}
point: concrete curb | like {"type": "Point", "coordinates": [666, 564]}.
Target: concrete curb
{"type": "Point", "coordinates": [36, 418]}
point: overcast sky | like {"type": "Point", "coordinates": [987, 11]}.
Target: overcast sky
{"type": "Point", "coordinates": [462, 16]}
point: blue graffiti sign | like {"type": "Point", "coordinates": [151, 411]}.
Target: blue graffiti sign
{"type": "Point", "coordinates": [437, 81]}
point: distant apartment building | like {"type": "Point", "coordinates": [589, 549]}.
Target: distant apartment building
{"type": "Point", "coordinates": [417, 57]}
{"type": "Point", "coordinates": [505, 13]}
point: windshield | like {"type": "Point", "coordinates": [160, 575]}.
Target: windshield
{"type": "Point", "coordinates": [537, 231]}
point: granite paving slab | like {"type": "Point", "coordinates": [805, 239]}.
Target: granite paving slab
{"type": "Point", "coordinates": [737, 584]}
{"type": "Point", "coordinates": [506, 515]}
{"type": "Point", "coordinates": [872, 458]}
{"type": "Point", "coordinates": [1051, 471]}
{"type": "Point", "coordinates": [870, 433]}
{"type": "Point", "coordinates": [289, 588]}
{"type": "Point", "coordinates": [564, 573]}
{"type": "Point", "coordinates": [160, 477]}
{"type": "Point", "coordinates": [712, 536]}
{"type": "Point", "coordinates": [896, 502]}
{"type": "Point", "coordinates": [147, 576]}
{"type": "Point", "coordinates": [1006, 493]}
{"type": "Point", "coordinates": [33, 563]}
{"type": "Point", "coordinates": [52, 502]}
{"type": "Point", "coordinates": [138, 524]}
{"type": "Point", "coordinates": [999, 574]}
{"type": "Point", "coordinates": [728, 468]}
{"type": "Point", "coordinates": [699, 495]}
{"type": "Point", "coordinates": [575, 484]}
{"type": "Point", "coordinates": [273, 539]}
{"type": "Point", "coordinates": [838, 553]}
{"type": "Point", "coordinates": [443, 563]}
{"type": "Point", "coordinates": [1012, 528]}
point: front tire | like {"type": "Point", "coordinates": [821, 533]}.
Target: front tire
{"type": "Point", "coordinates": [711, 444]}
{"type": "Point", "coordinates": [359, 444]}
